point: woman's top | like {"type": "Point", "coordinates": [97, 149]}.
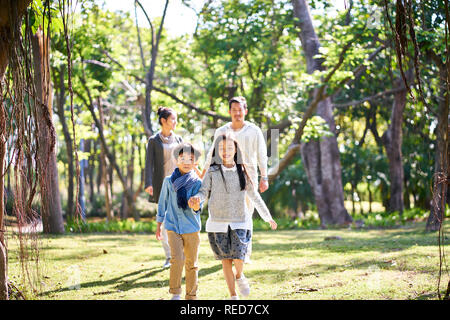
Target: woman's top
{"type": "Point", "coordinates": [169, 143]}
{"type": "Point", "coordinates": [227, 205]}
{"type": "Point", "coordinates": [154, 164]}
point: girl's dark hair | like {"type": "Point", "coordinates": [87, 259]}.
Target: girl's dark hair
{"type": "Point", "coordinates": [164, 112]}
{"type": "Point", "coordinates": [217, 161]}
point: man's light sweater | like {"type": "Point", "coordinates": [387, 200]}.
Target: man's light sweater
{"type": "Point", "coordinates": [253, 148]}
{"type": "Point", "coordinates": [226, 201]}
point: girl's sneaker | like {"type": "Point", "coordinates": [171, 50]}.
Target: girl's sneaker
{"type": "Point", "coordinates": [234, 298]}
{"type": "Point", "coordinates": [243, 285]}
{"type": "Point", "coordinates": [176, 297]}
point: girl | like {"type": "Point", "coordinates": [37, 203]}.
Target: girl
{"type": "Point", "coordinates": [226, 184]}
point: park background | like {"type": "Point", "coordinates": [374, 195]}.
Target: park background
{"type": "Point", "coordinates": [356, 92]}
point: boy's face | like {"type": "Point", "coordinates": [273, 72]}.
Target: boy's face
{"type": "Point", "coordinates": [186, 162]}
{"type": "Point", "coordinates": [237, 112]}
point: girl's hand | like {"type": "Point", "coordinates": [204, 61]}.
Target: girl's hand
{"type": "Point", "coordinates": [273, 224]}
{"type": "Point", "coordinates": [194, 203]}
{"type": "Point", "coordinates": [158, 233]}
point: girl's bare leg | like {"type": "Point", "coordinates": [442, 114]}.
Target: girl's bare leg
{"type": "Point", "coordinates": [227, 266]}
{"type": "Point", "coordinates": [239, 266]}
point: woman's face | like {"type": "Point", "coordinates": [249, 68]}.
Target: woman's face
{"type": "Point", "coordinates": [227, 150]}
{"type": "Point", "coordinates": [171, 122]}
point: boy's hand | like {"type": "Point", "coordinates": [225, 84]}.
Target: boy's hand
{"type": "Point", "coordinates": [273, 224]}
{"type": "Point", "coordinates": [194, 203]}
{"type": "Point", "coordinates": [158, 233]}
{"type": "Point", "coordinates": [149, 190]}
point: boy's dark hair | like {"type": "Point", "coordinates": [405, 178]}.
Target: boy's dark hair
{"type": "Point", "coordinates": [186, 147]}
{"type": "Point", "coordinates": [238, 99]}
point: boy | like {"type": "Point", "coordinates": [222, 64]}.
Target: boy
{"type": "Point", "coordinates": [182, 223]}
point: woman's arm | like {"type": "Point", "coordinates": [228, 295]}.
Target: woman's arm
{"type": "Point", "coordinates": [149, 161]}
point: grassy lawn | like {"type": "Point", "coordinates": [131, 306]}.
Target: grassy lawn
{"type": "Point", "coordinates": [399, 263]}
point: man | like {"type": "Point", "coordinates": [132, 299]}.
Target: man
{"type": "Point", "coordinates": [253, 147]}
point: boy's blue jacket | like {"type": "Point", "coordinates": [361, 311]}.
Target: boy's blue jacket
{"type": "Point", "coordinates": [174, 218]}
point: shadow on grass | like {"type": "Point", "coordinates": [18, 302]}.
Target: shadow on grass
{"type": "Point", "coordinates": [121, 283]}
{"type": "Point", "coordinates": [104, 283]}
{"type": "Point", "coordinates": [382, 241]}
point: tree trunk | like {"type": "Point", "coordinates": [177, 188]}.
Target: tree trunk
{"type": "Point", "coordinates": [392, 141]}
{"type": "Point", "coordinates": [3, 254]}
{"type": "Point", "coordinates": [68, 140]}
{"type": "Point", "coordinates": [49, 187]}
{"type": "Point", "coordinates": [104, 173]}
{"type": "Point", "coordinates": [441, 169]}
{"type": "Point", "coordinates": [81, 198]}
{"type": "Point", "coordinates": [321, 158]}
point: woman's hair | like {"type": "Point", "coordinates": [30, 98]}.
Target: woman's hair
{"type": "Point", "coordinates": [216, 160]}
{"type": "Point", "coordinates": [164, 112]}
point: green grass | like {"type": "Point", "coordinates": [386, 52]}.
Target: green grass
{"type": "Point", "coordinates": [400, 263]}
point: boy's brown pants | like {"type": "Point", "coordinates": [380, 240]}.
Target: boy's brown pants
{"type": "Point", "coordinates": [184, 252]}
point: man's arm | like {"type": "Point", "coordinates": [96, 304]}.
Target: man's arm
{"type": "Point", "coordinates": [262, 160]}
{"type": "Point", "coordinates": [209, 155]}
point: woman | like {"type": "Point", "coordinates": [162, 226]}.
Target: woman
{"type": "Point", "coordinates": [159, 162]}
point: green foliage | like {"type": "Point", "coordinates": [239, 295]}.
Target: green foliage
{"type": "Point", "coordinates": [114, 226]}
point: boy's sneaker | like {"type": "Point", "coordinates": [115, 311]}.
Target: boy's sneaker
{"type": "Point", "coordinates": [243, 285]}
{"type": "Point", "coordinates": [176, 297]}
{"type": "Point", "coordinates": [167, 263]}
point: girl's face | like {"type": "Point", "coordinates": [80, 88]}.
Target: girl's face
{"type": "Point", "coordinates": [170, 123]}
{"type": "Point", "coordinates": [227, 151]}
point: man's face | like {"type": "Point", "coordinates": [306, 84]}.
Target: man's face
{"type": "Point", "coordinates": [186, 162]}
{"type": "Point", "coordinates": [237, 112]}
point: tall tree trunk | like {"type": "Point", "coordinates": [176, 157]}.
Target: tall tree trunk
{"type": "Point", "coordinates": [90, 168]}
{"type": "Point", "coordinates": [3, 254]}
{"type": "Point", "coordinates": [49, 187]}
{"type": "Point", "coordinates": [392, 141]}
{"type": "Point", "coordinates": [441, 166]}
{"type": "Point", "coordinates": [103, 172]}
{"type": "Point", "coordinates": [82, 182]}
{"type": "Point", "coordinates": [69, 147]}
{"type": "Point", "coordinates": [321, 158]}
{"type": "Point", "coordinates": [151, 72]}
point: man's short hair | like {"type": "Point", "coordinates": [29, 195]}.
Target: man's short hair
{"type": "Point", "coordinates": [238, 99]}
{"type": "Point", "coordinates": [186, 147]}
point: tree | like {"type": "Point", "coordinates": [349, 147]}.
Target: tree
{"type": "Point", "coordinates": [321, 158]}
{"type": "Point", "coordinates": [46, 158]}
{"type": "Point", "coordinates": [8, 31]}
